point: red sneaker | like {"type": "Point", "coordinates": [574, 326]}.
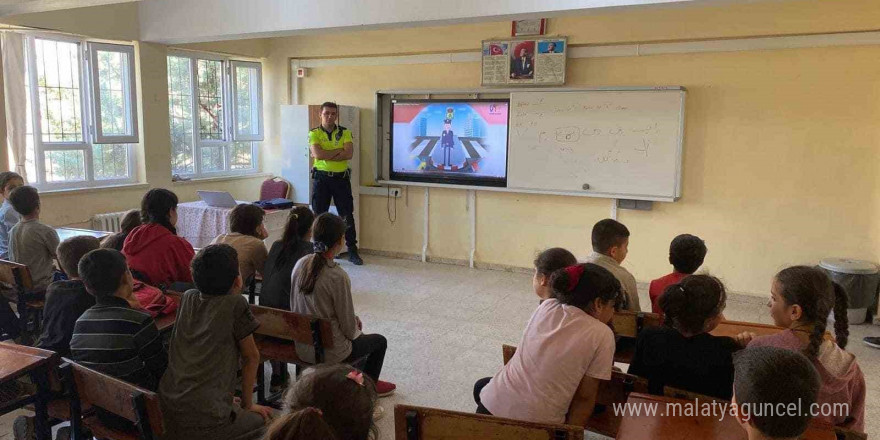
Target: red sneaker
{"type": "Point", "coordinates": [385, 389]}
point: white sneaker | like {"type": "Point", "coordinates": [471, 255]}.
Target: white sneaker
{"type": "Point", "coordinates": [378, 413]}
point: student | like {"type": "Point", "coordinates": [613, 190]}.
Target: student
{"type": "Point", "coordinates": [214, 329]}
{"type": "Point", "coordinates": [567, 348]}
{"type": "Point", "coordinates": [319, 287]}
{"type": "Point", "coordinates": [30, 242]}
{"type": "Point", "coordinates": [8, 217]}
{"type": "Point", "coordinates": [112, 337]}
{"type": "Point", "coordinates": [610, 246]}
{"type": "Point", "coordinates": [801, 299]}
{"type": "Point", "coordinates": [246, 235]}
{"type": "Point", "coordinates": [154, 250]}
{"type": "Point", "coordinates": [775, 378]}
{"type": "Point", "coordinates": [66, 300]}
{"type": "Point", "coordinates": [682, 353]}
{"type": "Point", "coordinates": [294, 244]}
{"type": "Point", "coordinates": [686, 255]}
{"type": "Point", "coordinates": [548, 262]}
{"type": "Point", "coordinates": [131, 220]}
{"type": "Point", "coordinates": [328, 402]}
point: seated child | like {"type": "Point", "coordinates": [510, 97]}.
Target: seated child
{"type": "Point", "coordinates": [321, 288]}
{"type": "Point", "coordinates": [777, 377]}
{"type": "Point", "coordinates": [686, 255]}
{"type": "Point", "coordinates": [131, 220]}
{"type": "Point", "coordinates": [548, 262]}
{"type": "Point", "coordinates": [112, 337]}
{"type": "Point", "coordinates": [567, 348]}
{"type": "Point", "coordinates": [328, 402]}
{"type": "Point", "coordinates": [610, 246]}
{"type": "Point", "coordinates": [246, 237]}
{"type": "Point", "coordinates": [801, 298]}
{"type": "Point", "coordinates": [213, 331]}
{"type": "Point", "coordinates": [66, 300]}
{"type": "Point", "coordinates": [30, 242]}
{"type": "Point", "coordinates": [682, 353]}
{"type": "Point", "coordinates": [154, 251]}
{"type": "Point", "coordinates": [8, 217]}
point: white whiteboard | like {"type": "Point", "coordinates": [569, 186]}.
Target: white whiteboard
{"type": "Point", "coordinates": [622, 144]}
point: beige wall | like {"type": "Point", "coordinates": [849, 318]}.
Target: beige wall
{"type": "Point", "coordinates": [780, 160]}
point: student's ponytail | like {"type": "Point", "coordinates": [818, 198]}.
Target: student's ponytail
{"type": "Point", "coordinates": [841, 320]}
{"type": "Point", "coordinates": [689, 304]}
{"type": "Point", "coordinates": [305, 424]}
{"type": "Point", "coordinates": [327, 231]}
{"type": "Point", "coordinates": [812, 290]}
{"type": "Point", "coordinates": [299, 221]}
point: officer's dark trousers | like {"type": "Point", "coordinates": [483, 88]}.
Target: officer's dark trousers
{"type": "Point", "coordinates": [325, 188]}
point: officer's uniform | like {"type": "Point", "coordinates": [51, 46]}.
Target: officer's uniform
{"type": "Point", "coordinates": [331, 179]}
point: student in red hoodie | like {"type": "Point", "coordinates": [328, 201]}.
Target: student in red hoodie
{"type": "Point", "coordinates": [154, 250]}
{"type": "Point", "coordinates": [686, 255]}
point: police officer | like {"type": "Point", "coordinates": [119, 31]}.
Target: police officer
{"type": "Point", "coordinates": [331, 147]}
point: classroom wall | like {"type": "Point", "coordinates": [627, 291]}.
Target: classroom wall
{"type": "Point", "coordinates": [120, 22]}
{"type": "Point", "coordinates": [780, 155]}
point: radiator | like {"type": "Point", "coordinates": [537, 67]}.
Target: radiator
{"type": "Point", "coordinates": [108, 222]}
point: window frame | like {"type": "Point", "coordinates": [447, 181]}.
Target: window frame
{"type": "Point", "coordinates": [98, 135]}
{"type": "Point", "coordinates": [41, 148]}
{"type": "Point", "coordinates": [241, 137]}
{"type": "Point", "coordinates": [228, 121]}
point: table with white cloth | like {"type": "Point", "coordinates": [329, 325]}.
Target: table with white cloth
{"type": "Point", "coordinates": [200, 224]}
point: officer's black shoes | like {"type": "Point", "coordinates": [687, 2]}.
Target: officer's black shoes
{"type": "Point", "coordinates": [354, 257]}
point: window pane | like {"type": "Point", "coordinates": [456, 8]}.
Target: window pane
{"type": "Point", "coordinates": [241, 156]}
{"type": "Point", "coordinates": [247, 100]}
{"type": "Point", "coordinates": [210, 99]}
{"type": "Point", "coordinates": [212, 158]}
{"type": "Point", "coordinates": [58, 86]}
{"type": "Point", "coordinates": [112, 82]}
{"type": "Point", "coordinates": [65, 166]}
{"type": "Point", "coordinates": [110, 161]}
{"type": "Point", "coordinates": [180, 106]}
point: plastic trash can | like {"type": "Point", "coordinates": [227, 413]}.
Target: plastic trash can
{"type": "Point", "coordinates": [860, 279]}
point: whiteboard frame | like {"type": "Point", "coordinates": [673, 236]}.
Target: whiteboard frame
{"type": "Point", "coordinates": [382, 139]}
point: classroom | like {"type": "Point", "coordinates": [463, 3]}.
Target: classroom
{"type": "Point", "coordinates": [747, 125]}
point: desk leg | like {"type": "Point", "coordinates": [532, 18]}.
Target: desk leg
{"type": "Point", "coordinates": [41, 421]}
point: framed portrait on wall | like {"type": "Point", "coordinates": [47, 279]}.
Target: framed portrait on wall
{"type": "Point", "coordinates": [524, 61]}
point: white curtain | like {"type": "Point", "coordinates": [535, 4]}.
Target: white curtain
{"type": "Point", "coordinates": [16, 103]}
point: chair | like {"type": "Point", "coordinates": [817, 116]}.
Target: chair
{"type": "Point", "coordinates": [276, 335]}
{"type": "Point", "coordinates": [274, 188]}
{"type": "Point", "coordinates": [28, 301]}
{"type": "Point", "coordinates": [627, 325]}
{"type": "Point", "coordinates": [419, 423]}
{"type": "Point", "coordinates": [85, 386]}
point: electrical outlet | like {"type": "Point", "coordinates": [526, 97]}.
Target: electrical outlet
{"type": "Point", "coordinates": [382, 191]}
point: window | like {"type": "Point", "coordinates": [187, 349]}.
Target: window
{"type": "Point", "coordinates": [215, 113]}
{"type": "Point", "coordinates": [82, 114]}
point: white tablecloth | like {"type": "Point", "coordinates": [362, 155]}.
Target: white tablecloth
{"type": "Point", "coordinates": [200, 224]}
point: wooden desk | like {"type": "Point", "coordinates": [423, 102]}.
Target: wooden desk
{"type": "Point", "coordinates": [679, 427]}
{"type": "Point", "coordinates": [65, 233]}
{"type": "Point", "coordinates": [17, 361]}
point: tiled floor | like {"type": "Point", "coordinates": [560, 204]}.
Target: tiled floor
{"type": "Point", "coordinates": [445, 326]}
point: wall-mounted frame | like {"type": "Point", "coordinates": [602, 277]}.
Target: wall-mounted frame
{"type": "Point", "coordinates": [532, 61]}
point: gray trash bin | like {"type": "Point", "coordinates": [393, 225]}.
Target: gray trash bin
{"type": "Point", "coordinates": [860, 279]}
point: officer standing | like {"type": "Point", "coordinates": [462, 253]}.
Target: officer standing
{"type": "Point", "coordinates": [331, 147]}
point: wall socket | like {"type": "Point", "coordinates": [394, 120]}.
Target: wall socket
{"type": "Point", "coordinates": [382, 191]}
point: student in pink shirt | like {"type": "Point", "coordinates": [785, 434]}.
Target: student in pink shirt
{"type": "Point", "coordinates": [567, 348]}
{"type": "Point", "coordinates": [686, 255]}
{"type": "Point", "coordinates": [801, 298]}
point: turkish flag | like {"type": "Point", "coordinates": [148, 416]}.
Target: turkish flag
{"type": "Point", "coordinates": [495, 49]}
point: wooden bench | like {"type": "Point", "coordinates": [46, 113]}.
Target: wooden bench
{"type": "Point", "coordinates": [419, 423]}
{"type": "Point", "coordinates": [29, 302]}
{"type": "Point", "coordinates": [85, 386]}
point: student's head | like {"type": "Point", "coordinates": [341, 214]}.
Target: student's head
{"type": "Point", "coordinates": [694, 305]}
{"type": "Point", "coordinates": [215, 270]}
{"type": "Point", "coordinates": [298, 229]}
{"type": "Point", "coordinates": [70, 251]}
{"type": "Point", "coordinates": [9, 180]}
{"type": "Point", "coordinates": [588, 287]}
{"type": "Point", "coordinates": [105, 273]}
{"type": "Point", "coordinates": [25, 200]}
{"type": "Point", "coordinates": [686, 253]}
{"type": "Point", "coordinates": [131, 220]}
{"type": "Point", "coordinates": [328, 237]}
{"type": "Point", "coordinates": [329, 112]}
{"type": "Point", "coordinates": [610, 237]}
{"type": "Point", "coordinates": [758, 375]}
{"type": "Point", "coordinates": [802, 297]}
{"type": "Point", "coordinates": [247, 219]}
{"type": "Point", "coordinates": [159, 206]}
{"type": "Point", "coordinates": [327, 403]}
{"type": "Point", "coordinates": [546, 263]}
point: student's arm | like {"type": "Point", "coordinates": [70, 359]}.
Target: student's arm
{"type": "Point", "coordinates": [150, 349]}
{"type": "Point", "coordinates": [344, 306]}
{"type": "Point", "coordinates": [584, 401]}
{"type": "Point", "coordinates": [184, 254]}
{"type": "Point", "coordinates": [260, 257]}
{"type": "Point", "coordinates": [251, 356]}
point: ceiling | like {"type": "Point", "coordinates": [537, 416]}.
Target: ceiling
{"type": "Point", "coordinates": [15, 7]}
